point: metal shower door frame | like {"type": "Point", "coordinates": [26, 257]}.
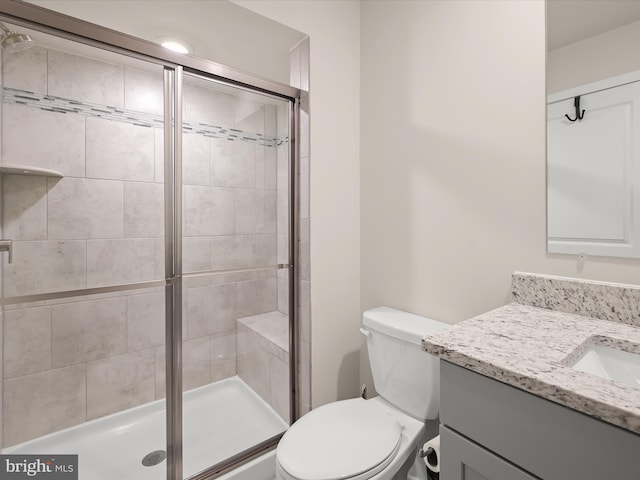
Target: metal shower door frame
{"type": "Point", "coordinates": [47, 21]}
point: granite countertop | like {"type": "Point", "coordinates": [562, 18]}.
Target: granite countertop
{"type": "Point", "coordinates": [530, 348]}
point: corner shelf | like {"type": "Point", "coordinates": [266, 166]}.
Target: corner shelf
{"type": "Point", "coordinates": [14, 169]}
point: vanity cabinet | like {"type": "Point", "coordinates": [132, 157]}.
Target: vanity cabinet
{"type": "Point", "coordinates": [466, 460]}
{"type": "Point", "coordinates": [492, 431]}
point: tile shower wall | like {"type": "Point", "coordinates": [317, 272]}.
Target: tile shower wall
{"type": "Point", "coordinates": [257, 349]}
{"type": "Point", "coordinates": [300, 74]}
{"type": "Point", "coordinates": [74, 360]}
{"type": "Point", "coordinates": [263, 362]}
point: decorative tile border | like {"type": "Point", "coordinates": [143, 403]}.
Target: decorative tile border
{"type": "Point", "coordinates": [51, 103]}
{"type": "Point", "coordinates": [601, 300]}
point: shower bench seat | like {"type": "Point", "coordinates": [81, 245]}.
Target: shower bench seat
{"type": "Point", "coordinates": [272, 328]}
{"type": "Point", "coordinates": [263, 357]}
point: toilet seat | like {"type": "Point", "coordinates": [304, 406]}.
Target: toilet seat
{"type": "Point", "coordinates": [351, 439]}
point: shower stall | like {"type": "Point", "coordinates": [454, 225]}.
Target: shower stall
{"type": "Point", "coordinates": [148, 292]}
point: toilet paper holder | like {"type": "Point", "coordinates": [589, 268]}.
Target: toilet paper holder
{"type": "Point", "coordinates": [430, 453]}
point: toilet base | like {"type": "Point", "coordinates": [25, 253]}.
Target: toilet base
{"type": "Point", "coordinates": [413, 469]}
{"type": "Point", "coordinates": [417, 470]}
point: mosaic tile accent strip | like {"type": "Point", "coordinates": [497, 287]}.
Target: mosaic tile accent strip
{"type": "Point", "coordinates": [601, 300]}
{"type": "Point", "coordinates": [62, 105]}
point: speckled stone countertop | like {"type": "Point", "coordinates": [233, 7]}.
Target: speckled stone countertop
{"type": "Point", "coordinates": [604, 300]}
{"type": "Point", "coordinates": [531, 348]}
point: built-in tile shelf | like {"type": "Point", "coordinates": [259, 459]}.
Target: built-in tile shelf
{"type": "Point", "coordinates": [14, 169]}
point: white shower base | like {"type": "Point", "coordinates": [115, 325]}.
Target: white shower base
{"type": "Point", "coordinates": [261, 468]}
{"type": "Point", "coordinates": [220, 420]}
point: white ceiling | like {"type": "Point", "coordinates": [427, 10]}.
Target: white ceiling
{"type": "Point", "coordinates": [218, 30]}
{"type": "Point", "coordinates": [222, 31]}
{"type": "Point", "coordinates": [569, 21]}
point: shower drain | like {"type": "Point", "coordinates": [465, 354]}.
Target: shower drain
{"type": "Point", "coordinates": [154, 458]}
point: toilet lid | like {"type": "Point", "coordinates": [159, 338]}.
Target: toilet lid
{"type": "Point", "coordinates": [340, 440]}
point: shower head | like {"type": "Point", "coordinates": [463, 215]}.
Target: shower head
{"type": "Point", "coordinates": [14, 42]}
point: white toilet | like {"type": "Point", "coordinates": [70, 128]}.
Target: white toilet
{"type": "Point", "coordinates": [379, 438]}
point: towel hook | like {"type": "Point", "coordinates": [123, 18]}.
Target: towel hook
{"type": "Point", "coordinates": [579, 115]}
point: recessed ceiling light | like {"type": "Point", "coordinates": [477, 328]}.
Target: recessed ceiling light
{"type": "Point", "coordinates": [175, 46]}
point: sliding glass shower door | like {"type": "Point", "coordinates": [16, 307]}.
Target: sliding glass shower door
{"type": "Point", "coordinates": [147, 308]}
{"type": "Point", "coordinates": [235, 369]}
{"type": "Point", "coordinates": [82, 199]}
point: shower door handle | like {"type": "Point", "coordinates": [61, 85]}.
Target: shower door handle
{"type": "Point", "coordinates": [7, 246]}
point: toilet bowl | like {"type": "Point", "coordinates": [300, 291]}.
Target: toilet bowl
{"type": "Point", "coordinates": [366, 439]}
{"type": "Point", "coordinates": [379, 438]}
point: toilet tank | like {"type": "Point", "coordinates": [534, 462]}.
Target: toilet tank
{"type": "Point", "coordinates": [403, 374]}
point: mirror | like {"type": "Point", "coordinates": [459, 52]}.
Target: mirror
{"type": "Point", "coordinates": [593, 151]}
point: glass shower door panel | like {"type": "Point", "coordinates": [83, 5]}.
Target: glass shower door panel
{"type": "Point", "coordinates": [235, 370]}
{"type": "Point", "coordinates": [82, 200]}
{"type": "Point", "coordinates": [94, 119]}
{"type": "Point", "coordinates": [235, 251]}
{"type": "Point", "coordinates": [85, 376]}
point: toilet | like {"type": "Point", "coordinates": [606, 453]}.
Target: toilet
{"type": "Point", "coordinates": [378, 438]}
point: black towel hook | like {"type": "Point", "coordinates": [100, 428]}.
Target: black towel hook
{"type": "Point", "coordinates": [579, 115]}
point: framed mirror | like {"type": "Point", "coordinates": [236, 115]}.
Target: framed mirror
{"type": "Point", "coordinates": [593, 142]}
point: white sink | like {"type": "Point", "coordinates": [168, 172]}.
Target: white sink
{"type": "Point", "coordinates": [612, 364]}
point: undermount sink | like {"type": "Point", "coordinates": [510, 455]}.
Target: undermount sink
{"type": "Point", "coordinates": [611, 364]}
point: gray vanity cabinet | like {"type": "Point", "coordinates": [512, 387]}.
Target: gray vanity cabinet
{"type": "Point", "coordinates": [466, 460]}
{"type": "Point", "coordinates": [492, 431]}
